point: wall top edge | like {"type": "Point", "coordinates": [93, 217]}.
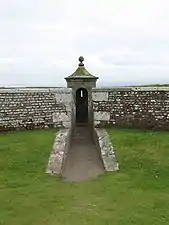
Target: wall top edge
{"type": "Point", "coordinates": [20, 89]}
{"type": "Point", "coordinates": [131, 89]}
{"type": "Point", "coordinates": [68, 90]}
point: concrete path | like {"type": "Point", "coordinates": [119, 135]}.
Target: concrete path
{"type": "Point", "coordinates": [83, 161]}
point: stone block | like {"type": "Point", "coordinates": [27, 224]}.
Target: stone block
{"type": "Point", "coordinates": [61, 117]}
{"type": "Point", "coordinates": [102, 116]}
{"type": "Point", "coordinates": [100, 96]}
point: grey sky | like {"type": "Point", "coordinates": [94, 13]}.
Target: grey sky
{"type": "Point", "coordinates": [124, 42]}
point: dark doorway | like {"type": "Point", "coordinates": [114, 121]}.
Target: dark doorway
{"type": "Point", "coordinates": [81, 105]}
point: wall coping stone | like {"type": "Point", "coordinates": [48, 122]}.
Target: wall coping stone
{"type": "Point", "coordinates": [19, 90]}
{"type": "Point", "coordinates": [68, 90]}
{"type": "Point", "coordinates": [131, 89]}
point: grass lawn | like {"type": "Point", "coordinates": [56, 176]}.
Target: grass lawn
{"type": "Point", "coordinates": [137, 194]}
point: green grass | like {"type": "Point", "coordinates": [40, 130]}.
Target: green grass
{"type": "Point", "coordinates": [137, 194]}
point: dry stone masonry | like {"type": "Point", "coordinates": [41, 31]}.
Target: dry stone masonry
{"type": "Point", "coordinates": [144, 107]}
{"type": "Point", "coordinates": [32, 108]}
{"type": "Point", "coordinates": [38, 108]}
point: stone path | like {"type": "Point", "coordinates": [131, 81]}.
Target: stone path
{"type": "Point", "coordinates": [83, 161]}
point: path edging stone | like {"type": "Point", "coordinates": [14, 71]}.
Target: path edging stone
{"type": "Point", "coordinates": [58, 153]}
{"type": "Point", "coordinates": [107, 151]}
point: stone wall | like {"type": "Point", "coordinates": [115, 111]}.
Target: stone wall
{"type": "Point", "coordinates": [31, 108]}
{"type": "Point", "coordinates": [132, 107]}
{"type": "Point", "coordinates": [37, 108]}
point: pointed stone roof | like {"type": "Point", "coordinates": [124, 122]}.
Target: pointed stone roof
{"type": "Point", "coordinates": [81, 71]}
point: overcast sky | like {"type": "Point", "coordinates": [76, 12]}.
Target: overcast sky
{"type": "Point", "coordinates": [123, 42]}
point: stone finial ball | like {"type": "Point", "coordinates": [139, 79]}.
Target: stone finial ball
{"type": "Point", "coordinates": [81, 59]}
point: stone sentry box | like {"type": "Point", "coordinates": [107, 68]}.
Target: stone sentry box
{"type": "Point", "coordinates": [99, 148]}
{"type": "Point", "coordinates": [81, 82]}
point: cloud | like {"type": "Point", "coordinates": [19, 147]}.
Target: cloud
{"type": "Point", "coordinates": [122, 41]}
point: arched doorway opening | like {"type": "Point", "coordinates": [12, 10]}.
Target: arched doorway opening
{"type": "Point", "coordinates": [81, 105]}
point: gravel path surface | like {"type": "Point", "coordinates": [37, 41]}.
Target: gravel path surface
{"type": "Point", "coordinates": [83, 161]}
